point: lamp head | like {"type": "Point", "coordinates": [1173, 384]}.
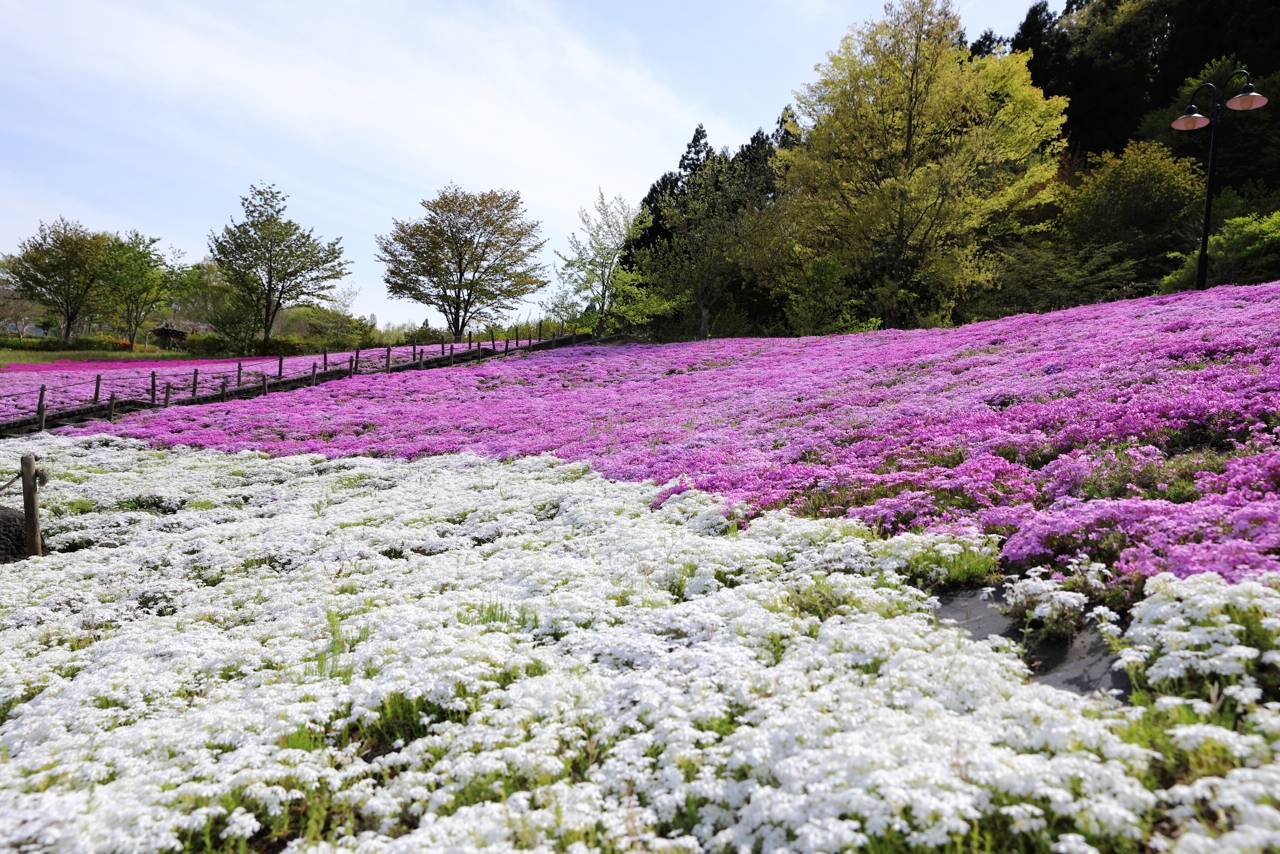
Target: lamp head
{"type": "Point", "coordinates": [1248, 99]}
{"type": "Point", "coordinates": [1190, 119]}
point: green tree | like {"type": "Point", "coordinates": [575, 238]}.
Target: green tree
{"type": "Point", "coordinates": [472, 256]}
{"type": "Point", "coordinates": [1116, 60]}
{"type": "Point", "coordinates": [1136, 207]}
{"type": "Point", "coordinates": [696, 250]}
{"type": "Point", "coordinates": [1245, 251]}
{"type": "Point", "coordinates": [593, 270]}
{"type": "Point", "coordinates": [915, 155]}
{"type": "Point", "coordinates": [135, 283]}
{"type": "Point", "coordinates": [271, 262]}
{"type": "Point", "coordinates": [61, 267]}
{"type": "Point", "coordinates": [201, 294]}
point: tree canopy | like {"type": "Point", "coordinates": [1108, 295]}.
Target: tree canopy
{"type": "Point", "coordinates": [471, 256]}
{"type": "Point", "coordinates": [270, 262]}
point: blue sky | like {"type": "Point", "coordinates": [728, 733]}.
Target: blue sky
{"type": "Point", "coordinates": [158, 116]}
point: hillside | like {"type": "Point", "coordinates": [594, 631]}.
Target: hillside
{"type": "Point", "coordinates": [1150, 420]}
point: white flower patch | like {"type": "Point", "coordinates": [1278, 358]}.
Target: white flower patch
{"type": "Point", "coordinates": [457, 653]}
{"type": "Point", "coordinates": [1195, 628]}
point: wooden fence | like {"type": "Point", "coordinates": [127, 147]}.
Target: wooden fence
{"type": "Point", "coordinates": [231, 384]}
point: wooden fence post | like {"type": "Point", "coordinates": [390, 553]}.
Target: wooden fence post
{"type": "Point", "coordinates": [325, 352]}
{"type": "Point", "coordinates": [493, 340]}
{"type": "Point", "coordinates": [224, 389]}
{"type": "Point", "coordinates": [313, 373]}
{"type": "Point", "coordinates": [351, 366]}
{"type": "Point", "coordinates": [468, 340]}
{"type": "Point", "coordinates": [97, 387]}
{"type": "Point", "coordinates": [111, 408]}
{"type": "Point", "coordinates": [442, 345]}
{"type": "Point", "coordinates": [388, 358]}
{"type": "Point", "coordinates": [153, 388]}
{"type": "Point", "coordinates": [40, 409]}
{"type": "Point", "coordinates": [506, 345]}
{"type": "Point", "coordinates": [415, 353]}
{"type": "Point", "coordinates": [264, 382]}
{"type": "Point", "coordinates": [239, 374]}
{"type": "Point", "coordinates": [30, 507]}
{"type": "Point", "coordinates": [539, 329]}
{"type": "Point", "coordinates": [280, 367]}
{"type": "Point", "coordinates": [168, 390]}
{"type": "Point", "coordinates": [356, 362]}
{"type": "Point", "coordinates": [195, 381]}
{"type": "Point", "coordinates": [450, 355]}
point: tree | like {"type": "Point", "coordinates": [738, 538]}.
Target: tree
{"type": "Point", "coordinates": [271, 262]}
{"type": "Point", "coordinates": [1143, 202]}
{"type": "Point", "coordinates": [915, 156]}
{"type": "Point", "coordinates": [472, 256]}
{"type": "Point", "coordinates": [135, 282]}
{"type": "Point", "coordinates": [17, 310]}
{"type": "Point", "coordinates": [201, 293]}
{"type": "Point", "coordinates": [61, 268]}
{"type": "Point", "coordinates": [695, 248]}
{"type": "Point", "coordinates": [593, 270]}
{"type": "Point", "coordinates": [1118, 59]}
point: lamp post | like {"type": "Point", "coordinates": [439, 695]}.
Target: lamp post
{"type": "Point", "coordinates": [1248, 98]}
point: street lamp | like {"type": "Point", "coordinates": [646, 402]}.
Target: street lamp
{"type": "Point", "coordinates": [1248, 98]}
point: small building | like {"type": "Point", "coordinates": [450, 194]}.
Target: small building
{"type": "Point", "coordinates": [168, 338]}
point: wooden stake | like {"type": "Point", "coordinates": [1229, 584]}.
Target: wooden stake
{"type": "Point", "coordinates": [280, 367]}
{"type": "Point", "coordinates": [40, 409]}
{"type": "Point", "coordinates": [493, 341]}
{"type": "Point", "coordinates": [97, 387]}
{"type": "Point", "coordinates": [195, 381]}
{"type": "Point", "coordinates": [168, 390]}
{"type": "Point", "coordinates": [388, 359]}
{"type": "Point", "coordinates": [264, 382]}
{"type": "Point", "coordinates": [153, 388]}
{"type": "Point", "coordinates": [111, 408]}
{"type": "Point", "coordinates": [450, 355]}
{"type": "Point", "coordinates": [239, 374]}
{"type": "Point", "coordinates": [326, 358]}
{"type": "Point", "coordinates": [351, 366]}
{"type": "Point", "coordinates": [224, 389]}
{"type": "Point", "coordinates": [30, 507]}
{"type": "Point", "coordinates": [313, 373]}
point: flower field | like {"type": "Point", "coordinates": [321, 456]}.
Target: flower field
{"type": "Point", "coordinates": [70, 384]}
{"type": "Point", "coordinates": [678, 598]}
{"type": "Point", "coordinates": [459, 653]}
{"type": "Point", "coordinates": [1141, 433]}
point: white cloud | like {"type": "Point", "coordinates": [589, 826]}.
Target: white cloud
{"type": "Point", "coordinates": [356, 111]}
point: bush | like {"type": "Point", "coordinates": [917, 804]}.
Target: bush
{"type": "Point", "coordinates": [1245, 251]}
{"type": "Point", "coordinates": [208, 344]}
{"type": "Point", "coordinates": [54, 344]}
{"type": "Point", "coordinates": [285, 345]}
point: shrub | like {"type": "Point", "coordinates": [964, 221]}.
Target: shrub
{"type": "Point", "coordinates": [1246, 251]}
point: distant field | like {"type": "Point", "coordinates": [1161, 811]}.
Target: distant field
{"type": "Point", "coordinates": [28, 357]}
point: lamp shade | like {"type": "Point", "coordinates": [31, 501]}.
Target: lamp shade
{"type": "Point", "coordinates": [1190, 119]}
{"type": "Point", "coordinates": [1248, 99]}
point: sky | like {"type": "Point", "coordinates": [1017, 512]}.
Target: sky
{"type": "Point", "coordinates": [158, 116]}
